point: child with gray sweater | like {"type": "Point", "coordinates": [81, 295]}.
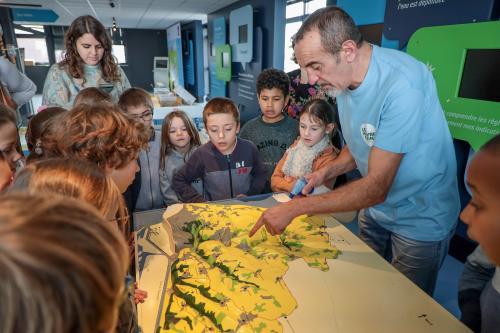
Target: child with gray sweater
{"type": "Point", "coordinates": [273, 131]}
{"type": "Point", "coordinates": [179, 139]}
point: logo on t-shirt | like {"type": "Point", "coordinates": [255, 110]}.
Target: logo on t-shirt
{"type": "Point", "coordinates": [368, 134]}
{"type": "Point", "coordinates": [241, 169]}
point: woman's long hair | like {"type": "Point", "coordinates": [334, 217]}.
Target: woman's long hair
{"type": "Point", "coordinates": [72, 61]}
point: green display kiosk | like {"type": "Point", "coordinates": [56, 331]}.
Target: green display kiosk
{"type": "Point", "coordinates": [465, 62]}
{"type": "Point", "coordinates": [223, 62]}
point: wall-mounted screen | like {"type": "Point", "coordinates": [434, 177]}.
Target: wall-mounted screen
{"type": "Point", "coordinates": [161, 63]}
{"type": "Point", "coordinates": [243, 33]}
{"type": "Point", "coordinates": [223, 62]}
{"type": "Point", "coordinates": [226, 60]}
{"type": "Point", "coordinates": [481, 75]}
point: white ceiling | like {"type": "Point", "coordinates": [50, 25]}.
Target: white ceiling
{"type": "Point", "coordinates": [145, 14]}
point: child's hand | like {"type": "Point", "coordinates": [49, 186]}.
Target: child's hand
{"type": "Point", "coordinates": [241, 196]}
{"type": "Point", "coordinates": [314, 179]}
{"type": "Point", "coordinates": [139, 295]}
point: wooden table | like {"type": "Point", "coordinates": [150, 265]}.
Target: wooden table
{"type": "Point", "coordinates": [360, 293]}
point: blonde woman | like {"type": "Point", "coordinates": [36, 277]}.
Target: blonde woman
{"type": "Point", "coordinates": [63, 266]}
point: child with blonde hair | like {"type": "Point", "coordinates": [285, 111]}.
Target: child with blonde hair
{"type": "Point", "coordinates": [311, 151]}
{"type": "Point", "coordinates": [179, 139]}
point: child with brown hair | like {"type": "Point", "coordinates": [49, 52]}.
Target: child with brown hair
{"type": "Point", "coordinates": [81, 180]}
{"type": "Point", "coordinates": [6, 174]}
{"type": "Point", "coordinates": [92, 96]}
{"type": "Point", "coordinates": [63, 266]}
{"type": "Point", "coordinates": [145, 192]}
{"type": "Point", "coordinates": [479, 287]}
{"type": "Point", "coordinates": [229, 167]}
{"type": "Point", "coordinates": [272, 131]}
{"type": "Point", "coordinates": [311, 151]}
{"type": "Point", "coordinates": [88, 61]}
{"type": "Point", "coordinates": [100, 134]}
{"type": "Point", "coordinates": [78, 179]}
{"type": "Point", "coordinates": [9, 138]}
{"type": "Point", "coordinates": [179, 139]}
{"type": "Point", "coordinates": [37, 125]}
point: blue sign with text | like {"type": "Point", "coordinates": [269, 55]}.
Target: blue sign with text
{"type": "Point", "coordinates": [34, 15]}
{"type": "Point", "coordinates": [404, 17]}
{"type": "Point", "coordinates": [217, 87]}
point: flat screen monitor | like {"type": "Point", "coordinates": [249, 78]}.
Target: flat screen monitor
{"type": "Point", "coordinates": [481, 75]}
{"type": "Point", "coordinates": [161, 63]}
{"type": "Point", "coordinates": [226, 62]}
{"type": "Point", "coordinates": [243, 34]}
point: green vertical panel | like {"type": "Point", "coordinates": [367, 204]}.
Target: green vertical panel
{"type": "Point", "coordinates": [444, 50]}
{"type": "Point", "coordinates": [223, 62]}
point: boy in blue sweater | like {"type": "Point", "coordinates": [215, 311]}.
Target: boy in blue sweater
{"type": "Point", "coordinates": [229, 167]}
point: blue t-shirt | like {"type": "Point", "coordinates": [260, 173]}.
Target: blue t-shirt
{"type": "Point", "coordinates": [396, 109]}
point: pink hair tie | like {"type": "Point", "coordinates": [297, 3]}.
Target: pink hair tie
{"type": "Point", "coordinates": [41, 108]}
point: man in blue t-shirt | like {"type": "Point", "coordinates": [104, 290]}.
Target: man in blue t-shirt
{"type": "Point", "coordinates": [396, 135]}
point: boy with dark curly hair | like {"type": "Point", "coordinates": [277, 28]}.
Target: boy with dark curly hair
{"type": "Point", "coordinates": [273, 131]}
{"type": "Point", "coordinates": [479, 286]}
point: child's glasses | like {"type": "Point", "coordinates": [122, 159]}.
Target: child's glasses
{"type": "Point", "coordinates": [145, 116]}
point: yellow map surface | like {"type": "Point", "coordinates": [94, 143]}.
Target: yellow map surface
{"type": "Point", "coordinates": [224, 281]}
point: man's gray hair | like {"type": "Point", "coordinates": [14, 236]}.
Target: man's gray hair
{"type": "Point", "coordinates": [335, 27]}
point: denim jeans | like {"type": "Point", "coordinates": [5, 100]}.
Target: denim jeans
{"type": "Point", "coordinates": [419, 261]}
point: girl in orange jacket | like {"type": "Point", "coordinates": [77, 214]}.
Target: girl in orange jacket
{"type": "Point", "coordinates": [311, 151]}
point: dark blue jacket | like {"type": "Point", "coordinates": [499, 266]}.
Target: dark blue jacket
{"type": "Point", "coordinates": [223, 176]}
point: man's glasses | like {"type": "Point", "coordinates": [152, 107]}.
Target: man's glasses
{"type": "Point", "coordinates": [146, 115]}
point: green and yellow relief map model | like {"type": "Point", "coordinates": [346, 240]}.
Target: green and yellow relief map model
{"type": "Point", "coordinates": [223, 281]}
